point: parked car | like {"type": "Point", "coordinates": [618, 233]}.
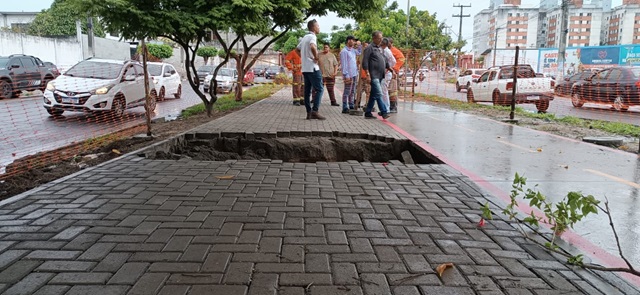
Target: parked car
{"type": "Point", "coordinates": [166, 79]}
{"type": "Point", "coordinates": [271, 72]}
{"type": "Point", "coordinates": [53, 68]}
{"type": "Point", "coordinates": [98, 85]}
{"type": "Point", "coordinates": [22, 72]}
{"type": "Point", "coordinates": [466, 78]}
{"type": "Point", "coordinates": [496, 85]}
{"type": "Point", "coordinates": [249, 77]}
{"type": "Point", "coordinates": [226, 81]}
{"type": "Point", "coordinates": [259, 70]}
{"type": "Point", "coordinates": [563, 88]}
{"type": "Point", "coordinates": [617, 86]}
{"type": "Point", "coordinates": [203, 71]}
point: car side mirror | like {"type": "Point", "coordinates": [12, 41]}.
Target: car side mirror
{"type": "Point", "coordinates": [130, 78]}
{"type": "Point", "coordinates": [14, 67]}
{"type": "Point", "coordinates": [475, 80]}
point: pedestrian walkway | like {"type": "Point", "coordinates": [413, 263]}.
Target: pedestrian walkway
{"type": "Point", "coordinates": [142, 226]}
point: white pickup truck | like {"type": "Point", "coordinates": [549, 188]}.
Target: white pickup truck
{"type": "Point", "coordinates": [496, 85]}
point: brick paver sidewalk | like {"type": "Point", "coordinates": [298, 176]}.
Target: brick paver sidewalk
{"type": "Point", "coordinates": [140, 226]}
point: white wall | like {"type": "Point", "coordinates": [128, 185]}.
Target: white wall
{"type": "Point", "coordinates": [63, 52]}
{"type": "Point", "coordinates": [507, 57]}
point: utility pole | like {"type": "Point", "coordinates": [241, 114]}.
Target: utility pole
{"type": "Point", "coordinates": [460, 16]}
{"type": "Point", "coordinates": [495, 45]}
{"type": "Point", "coordinates": [562, 48]}
{"type": "Point", "coordinates": [408, 16]}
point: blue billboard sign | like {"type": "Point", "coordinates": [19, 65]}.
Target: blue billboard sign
{"type": "Point", "coordinates": [630, 55]}
{"type": "Point", "coordinates": [600, 56]}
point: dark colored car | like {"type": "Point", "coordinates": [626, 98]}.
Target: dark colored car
{"type": "Point", "coordinates": [203, 71]}
{"type": "Point", "coordinates": [258, 70]}
{"type": "Point", "coordinates": [22, 72]}
{"type": "Point", "coordinates": [271, 72]}
{"type": "Point", "coordinates": [617, 86]}
{"type": "Point", "coordinates": [53, 68]}
{"type": "Point", "coordinates": [564, 87]}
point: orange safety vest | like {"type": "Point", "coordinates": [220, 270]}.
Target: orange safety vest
{"type": "Point", "coordinates": [293, 62]}
{"type": "Point", "coordinates": [397, 54]}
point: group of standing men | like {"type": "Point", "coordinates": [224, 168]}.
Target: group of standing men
{"type": "Point", "coordinates": [372, 69]}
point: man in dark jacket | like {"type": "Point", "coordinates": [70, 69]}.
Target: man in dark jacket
{"type": "Point", "coordinates": [375, 65]}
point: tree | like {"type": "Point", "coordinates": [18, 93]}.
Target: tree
{"type": "Point", "coordinates": [188, 22]}
{"type": "Point", "coordinates": [207, 52]}
{"type": "Point", "coordinates": [159, 51]}
{"type": "Point", "coordinates": [339, 35]}
{"type": "Point", "coordinates": [60, 20]}
{"type": "Point", "coordinates": [290, 40]}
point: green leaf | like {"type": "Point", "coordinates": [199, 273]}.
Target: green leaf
{"type": "Point", "coordinates": [486, 212]}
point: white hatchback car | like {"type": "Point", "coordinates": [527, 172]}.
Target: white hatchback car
{"type": "Point", "coordinates": [96, 85]}
{"type": "Point", "coordinates": [165, 79]}
{"type": "Point", "coordinates": [466, 78]}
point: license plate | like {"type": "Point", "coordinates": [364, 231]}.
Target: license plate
{"type": "Point", "coordinates": [533, 97]}
{"type": "Point", "coordinates": [73, 100]}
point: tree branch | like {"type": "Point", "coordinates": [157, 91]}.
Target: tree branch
{"type": "Point", "coordinates": [615, 234]}
{"type": "Point", "coordinates": [255, 58]}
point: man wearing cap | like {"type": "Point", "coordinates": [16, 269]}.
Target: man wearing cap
{"type": "Point", "coordinates": [293, 63]}
{"type": "Point", "coordinates": [329, 68]}
{"type": "Point", "coordinates": [393, 86]}
{"type": "Point", "coordinates": [348, 60]}
{"type": "Point", "coordinates": [311, 71]}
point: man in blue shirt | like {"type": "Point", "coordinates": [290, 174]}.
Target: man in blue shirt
{"type": "Point", "coordinates": [348, 57]}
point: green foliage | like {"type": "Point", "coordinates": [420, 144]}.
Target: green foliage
{"type": "Point", "coordinates": [60, 20]}
{"type": "Point", "coordinates": [160, 51]}
{"type": "Point", "coordinates": [560, 216]}
{"type": "Point", "coordinates": [207, 51]}
{"type": "Point", "coordinates": [290, 40]}
{"type": "Point", "coordinates": [486, 212]}
{"type": "Point", "coordinates": [228, 101]}
{"type": "Point", "coordinates": [424, 32]}
{"type": "Point", "coordinates": [339, 36]}
{"type": "Point", "coordinates": [223, 54]}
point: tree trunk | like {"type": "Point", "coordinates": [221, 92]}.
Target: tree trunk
{"type": "Point", "coordinates": [240, 80]}
{"type": "Point", "coordinates": [147, 98]}
{"type": "Point", "coordinates": [209, 107]}
{"type": "Point", "coordinates": [206, 60]}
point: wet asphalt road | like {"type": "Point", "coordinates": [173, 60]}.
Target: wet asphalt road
{"type": "Point", "coordinates": [560, 106]}
{"type": "Point", "coordinates": [493, 152]}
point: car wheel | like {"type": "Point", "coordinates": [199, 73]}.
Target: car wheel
{"type": "Point", "coordinates": [44, 84]}
{"type": "Point", "coordinates": [495, 98]}
{"type": "Point", "coordinates": [6, 90]}
{"type": "Point", "coordinates": [458, 87]}
{"type": "Point", "coordinates": [618, 104]}
{"type": "Point", "coordinates": [178, 94]}
{"type": "Point", "coordinates": [55, 112]}
{"type": "Point", "coordinates": [542, 106]}
{"type": "Point", "coordinates": [576, 99]}
{"type": "Point", "coordinates": [118, 107]}
{"type": "Point", "coordinates": [161, 95]}
{"type": "Point", "coordinates": [153, 100]}
{"type": "Point", "coordinates": [470, 98]}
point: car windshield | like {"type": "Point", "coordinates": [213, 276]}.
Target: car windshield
{"type": "Point", "coordinates": [154, 70]}
{"type": "Point", "coordinates": [225, 72]}
{"type": "Point", "coordinates": [635, 71]}
{"type": "Point", "coordinates": [274, 69]}
{"type": "Point", "coordinates": [478, 72]}
{"type": "Point", "coordinates": [207, 69]}
{"type": "Point", "coordinates": [523, 72]}
{"type": "Point", "coordinates": [95, 70]}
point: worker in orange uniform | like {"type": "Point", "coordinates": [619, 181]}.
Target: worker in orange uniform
{"type": "Point", "coordinates": [393, 87]}
{"type": "Point", "coordinates": [294, 64]}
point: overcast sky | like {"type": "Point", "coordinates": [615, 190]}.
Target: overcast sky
{"type": "Point", "coordinates": [444, 12]}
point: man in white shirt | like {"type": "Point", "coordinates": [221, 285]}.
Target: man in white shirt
{"type": "Point", "coordinates": [311, 71]}
{"type": "Point", "coordinates": [389, 75]}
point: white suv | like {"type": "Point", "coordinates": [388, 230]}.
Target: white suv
{"type": "Point", "coordinates": [466, 78]}
{"type": "Point", "coordinates": [166, 79]}
{"type": "Point", "coordinates": [95, 85]}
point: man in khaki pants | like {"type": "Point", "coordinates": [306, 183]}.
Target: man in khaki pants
{"type": "Point", "coordinates": [363, 83]}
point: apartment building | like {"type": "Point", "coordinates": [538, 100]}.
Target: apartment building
{"type": "Point", "coordinates": [480, 32]}
{"type": "Point", "coordinates": [505, 26]}
{"type": "Point", "coordinates": [622, 24]}
{"type": "Point", "coordinates": [17, 21]}
{"type": "Point", "coordinates": [584, 27]}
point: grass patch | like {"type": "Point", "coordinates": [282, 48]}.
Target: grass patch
{"type": "Point", "coordinates": [624, 129]}
{"type": "Point", "coordinates": [228, 102]}
{"type": "Point", "coordinates": [451, 80]}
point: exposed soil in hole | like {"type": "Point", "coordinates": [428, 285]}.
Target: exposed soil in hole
{"type": "Point", "coordinates": [298, 149]}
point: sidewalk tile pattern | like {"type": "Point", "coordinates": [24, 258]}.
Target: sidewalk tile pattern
{"type": "Point", "coordinates": [141, 226]}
